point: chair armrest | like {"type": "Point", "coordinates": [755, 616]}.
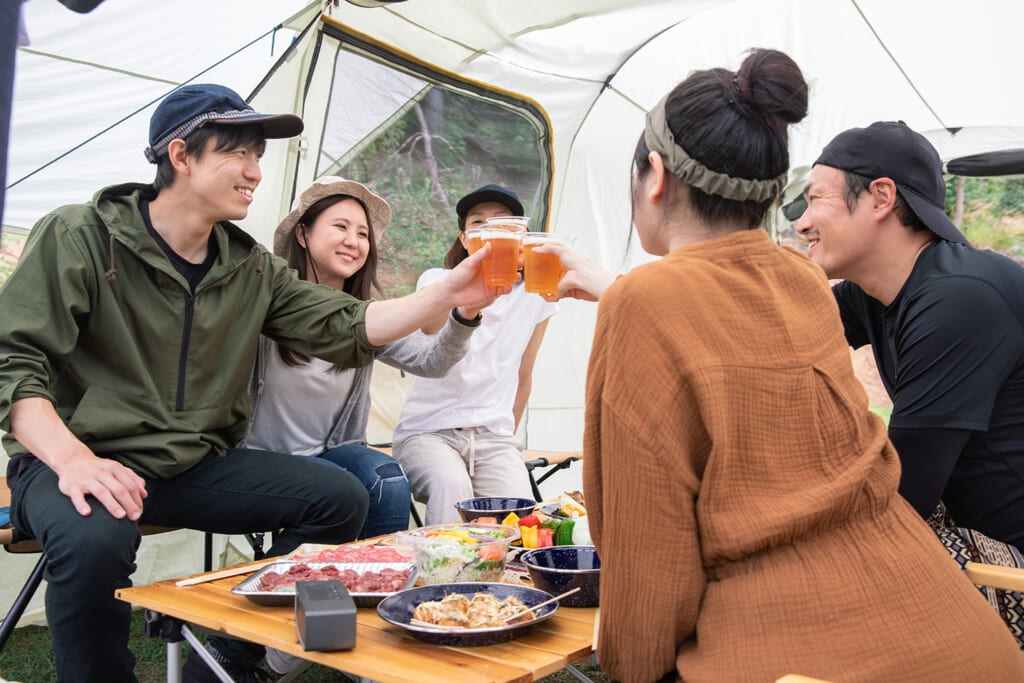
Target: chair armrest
{"type": "Point", "coordinates": [543, 458]}
{"type": "Point", "coordinates": [1007, 578]}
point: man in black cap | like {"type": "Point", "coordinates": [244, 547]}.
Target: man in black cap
{"type": "Point", "coordinates": [129, 332]}
{"type": "Point", "coordinates": [945, 322]}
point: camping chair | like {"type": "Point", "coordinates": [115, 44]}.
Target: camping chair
{"type": "Point", "coordinates": [996, 576]}
{"type": "Point", "coordinates": [15, 541]}
{"type": "Point", "coordinates": [553, 460]}
{"type": "Point", "coordinates": [388, 390]}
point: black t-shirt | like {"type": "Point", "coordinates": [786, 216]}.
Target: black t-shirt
{"type": "Point", "coordinates": [950, 351]}
{"type": "Point", "coordinates": [193, 272]}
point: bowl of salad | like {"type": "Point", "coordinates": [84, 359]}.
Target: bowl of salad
{"type": "Point", "coordinates": [457, 553]}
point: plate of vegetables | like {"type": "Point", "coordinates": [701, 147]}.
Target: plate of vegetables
{"type": "Point", "coordinates": [541, 531]}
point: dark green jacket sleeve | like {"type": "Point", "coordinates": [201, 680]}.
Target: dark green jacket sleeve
{"type": "Point", "coordinates": [51, 286]}
{"type": "Point", "coordinates": [316, 320]}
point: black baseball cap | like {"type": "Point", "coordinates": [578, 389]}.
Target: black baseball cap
{"type": "Point", "coordinates": [890, 149]}
{"type": "Point", "coordinates": [489, 193]}
{"type": "Point", "coordinates": [192, 106]}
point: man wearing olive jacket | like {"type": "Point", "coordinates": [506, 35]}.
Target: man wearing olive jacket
{"type": "Point", "coordinates": [128, 334]}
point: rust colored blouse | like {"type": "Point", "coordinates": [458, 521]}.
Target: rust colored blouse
{"type": "Point", "coordinates": [743, 498]}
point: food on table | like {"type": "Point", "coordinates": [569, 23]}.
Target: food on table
{"type": "Point", "coordinates": [539, 530]}
{"type": "Point", "coordinates": [529, 520]}
{"type": "Point", "coordinates": [564, 531]}
{"type": "Point", "coordinates": [571, 505]}
{"type": "Point", "coordinates": [528, 535]}
{"type": "Point", "coordinates": [447, 553]}
{"type": "Point", "coordinates": [536, 533]}
{"type": "Point", "coordinates": [359, 553]}
{"type": "Point", "coordinates": [483, 610]}
{"type": "Point", "coordinates": [387, 580]}
{"type": "Point", "coordinates": [581, 532]}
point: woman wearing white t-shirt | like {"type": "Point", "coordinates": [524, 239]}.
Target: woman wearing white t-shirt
{"type": "Point", "coordinates": [456, 434]}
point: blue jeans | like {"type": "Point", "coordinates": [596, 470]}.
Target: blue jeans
{"type": "Point", "coordinates": [384, 481]}
{"type": "Point", "coordinates": [92, 556]}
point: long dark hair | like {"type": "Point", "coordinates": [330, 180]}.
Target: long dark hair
{"type": "Point", "coordinates": [457, 253]}
{"type": "Point", "coordinates": [361, 284]}
{"type": "Point", "coordinates": [735, 123]}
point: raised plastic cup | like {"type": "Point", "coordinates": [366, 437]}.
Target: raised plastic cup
{"type": "Point", "coordinates": [474, 239]}
{"type": "Point", "coordinates": [541, 272]}
{"type": "Point", "coordinates": [512, 223]}
{"type": "Point", "coordinates": [502, 262]}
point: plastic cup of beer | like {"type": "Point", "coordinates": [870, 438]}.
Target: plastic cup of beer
{"type": "Point", "coordinates": [501, 264]}
{"type": "Point", "coordinates": [541, 272]}
{"type": "Point", "coordinates": [511, 223]}
{"type": "Point", "coordinates": [474, 239]}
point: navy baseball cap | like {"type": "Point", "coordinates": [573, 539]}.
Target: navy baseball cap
{"type": "Point", "coordinates": [489, 193]}
{"type": "Point", "coordinates": [890, 149]}
{"type": "Point", "coordinates": [192, 106]}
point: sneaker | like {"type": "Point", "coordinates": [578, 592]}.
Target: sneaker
{"type": "Point", "coordinates": [196, 670]}
{"type": "Point", "coordinates": [283, 663]}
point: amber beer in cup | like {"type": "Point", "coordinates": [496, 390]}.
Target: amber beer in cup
{"type": "Point", "coordinates": [512, 223]}
{"type": "Point", "coordinates": [474, 239]}
{"type": "Point", "coordinates": [501, 264]}
{"type": "Point", "coordinates": [541, 272]}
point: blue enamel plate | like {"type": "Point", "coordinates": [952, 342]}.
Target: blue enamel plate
{"type": "Point", "coordinates": [398, 609]}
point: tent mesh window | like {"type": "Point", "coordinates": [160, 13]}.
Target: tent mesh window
{"type": "Point", "coordinates": [423, 145]}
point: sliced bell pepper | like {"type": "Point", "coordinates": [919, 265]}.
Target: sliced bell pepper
{"type": "Point", "coordinates": [530, 520]}
{"type": "Point", "coordinates": [529, 534]}
{"type": "Point", "coordinates": [456, 534]}
{"type": "Point", "coordinates": [563, 536]}
{"type": "Point", "coordinates": [512, 520]}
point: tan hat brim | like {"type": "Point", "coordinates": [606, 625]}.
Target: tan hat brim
{"type": "Point", "coordinates": [377, 209]}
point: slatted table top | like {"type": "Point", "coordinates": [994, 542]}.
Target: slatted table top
{"type": "Point", "coordinates": [383, 652]}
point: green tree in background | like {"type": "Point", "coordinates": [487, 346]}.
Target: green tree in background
{"type": "Point", "coordinates": [1004, 195]}
{"type": "Point", "coordinates": [443, 147]}
{"type": "Point", "coordinates": [993, 213]}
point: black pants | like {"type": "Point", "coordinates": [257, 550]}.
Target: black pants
{"type": "Point", "coordinates": [92, 556]}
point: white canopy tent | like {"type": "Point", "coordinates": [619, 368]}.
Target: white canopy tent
{"type": "Point", "coordinates": [585, 70]}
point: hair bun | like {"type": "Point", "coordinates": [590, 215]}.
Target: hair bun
{"type": "Point", "coordinates": [774, 85]}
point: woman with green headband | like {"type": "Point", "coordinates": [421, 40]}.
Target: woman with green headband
{"type": "Point", "coordinates": [742, 497]}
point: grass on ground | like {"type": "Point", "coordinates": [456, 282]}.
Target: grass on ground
{"type": "Point", "coordinates": [28, 658]}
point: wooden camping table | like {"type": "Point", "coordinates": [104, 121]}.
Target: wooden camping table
{"type": "Point", "coordinates": [383, 652]}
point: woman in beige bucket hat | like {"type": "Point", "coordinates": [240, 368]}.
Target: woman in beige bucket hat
{"type": "Point", "coordinates": [306, 406]}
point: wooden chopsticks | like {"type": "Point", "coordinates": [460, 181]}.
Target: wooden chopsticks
{"type": "Point", "coordinates": [224, 573]}
{"type": "Point", "coordinates": [541, 604]}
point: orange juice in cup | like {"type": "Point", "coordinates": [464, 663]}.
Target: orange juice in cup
{"type": "Point", "coordinates": [541, 272]}
{"type": "Point", "coordinates": [501, 264]}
